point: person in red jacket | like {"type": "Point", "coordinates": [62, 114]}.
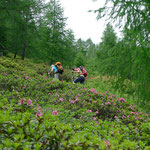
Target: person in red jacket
{"type": "Point", "coordinates": [82, 74]}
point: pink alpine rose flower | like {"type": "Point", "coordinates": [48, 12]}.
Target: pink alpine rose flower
{"type": "Point", "coordinates": [21, 101]}
{"type": "Point", "coordinates": [94, 118]}
{"type": "Point", "coordinates": [29, 102]}
{"type": "Point", "coordinates": [107, 144]}
{"type": "Point", "coordinates": [38, 114]}
{"type": "Point", "coordinates": [61, 99]}
{"type": "Point", "coordinates": [89, 111]}
{"type": "Point", "coordinates": [55, 112]}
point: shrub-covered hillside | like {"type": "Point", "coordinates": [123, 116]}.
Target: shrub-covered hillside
{"type": "Point", "coordinates": [39, 113]}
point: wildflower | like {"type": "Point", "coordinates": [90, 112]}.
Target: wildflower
{"type": "Point", "coordinates": [89, 111]}
{"type": "Point", "coordinates": [49, 93]}
{"type": "Point", "coordinates": [94, 118]}
{"type": "Point", "coordinates": [71, 101]}
{"type": "Point", "coordinates": [117, 131]}
{"type": "Point", "coordinates": [102, 104]}
{"type": "Point", "coordinates": [26, 78]}
{"type": "Point", "coordinates": [39, 114]}
{"type": "Point", "coordinates": [55, 112]}
{"type": "Point", "coordinates": [96, 112]}
{"type": "Point", "coordinates": [122, 99]}
{"type": "Point", "coordinates": [61, 99]}
{"type": "Point", "coordinates": [107, 144]}
{"type": "Point", "coordinates": [106, 92]}
{"type": "Point", "coordinates": [115, 117]}
{"type": "Point", "coordinates": [29, 102]}
{"type": "Point", "coordinates": [123, 116]}
{"type": "Point", "coordinates": [21, 101]}
{"type": "Point", "coordinates": [132, 112]}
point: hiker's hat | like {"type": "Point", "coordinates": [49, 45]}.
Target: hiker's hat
{"type": "Point", "coordinates": [58, 63]}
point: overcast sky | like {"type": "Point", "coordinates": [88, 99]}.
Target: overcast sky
{"type": "Point", "coordinates": [83, 23]}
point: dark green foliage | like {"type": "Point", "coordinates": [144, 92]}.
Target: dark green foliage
{"type": "Point", "coordinates": [130, 58]}
{"type": "Point", "coordinates": [67, 75]}
{"type": "Point", "coordinates": [36, 30]}
{"type": "Point", "coordinates": [106, 62]}
{"type": "Point", "coordinates": [79, 59]}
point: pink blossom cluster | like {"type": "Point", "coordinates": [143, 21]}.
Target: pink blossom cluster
{"type": "Point", "coordinates": [61, 99]}
{"type": "Point", "coordinates": [71, 101]}
{"type": "Point", "coordinates": [131, 107]}
{"type": "Point", "coordinates": [111, 96]}
{"type": "Point", "coordinates": [94, 118]}
{"type": "Point", "coordinates": [105, 93]}
{"type": "Point", "coordinates": [29, 101]}
{"type": "Point", "coordinates": [121, 100]}
{"type": "Point", "coordinates": [4, 74]}
{"type": "Point", "coordinates": [94, 91]}
{"type": "Point", "coordinates": [39, 114]}
{"type": "Point", "coordinates": [26, 77]}
{"type": "Point", "coordinates": [89, 111]}
{"type": "Point", "coordinates": [107, 144]}
{"type": "Point", "coordinates": [107, 103]}
{"type": "Point", "coordinates": [55, 112]}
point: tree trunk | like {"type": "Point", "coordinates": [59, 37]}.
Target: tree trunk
{"type": "Point", "coordinates": [24, 49]}
{"type": "Point", "coordinates": [15, 55]}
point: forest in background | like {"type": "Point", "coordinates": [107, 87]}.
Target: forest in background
{"type": "Point", "coordinates": [37, 30]}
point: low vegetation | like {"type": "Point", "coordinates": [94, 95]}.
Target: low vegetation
{"type": "Point", "coordinates": [39, 113]}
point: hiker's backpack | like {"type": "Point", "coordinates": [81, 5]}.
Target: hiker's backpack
{"type": "Point", "coordinates": [60, 69]}
{"type": "Point", "coordinates": [84, 72]}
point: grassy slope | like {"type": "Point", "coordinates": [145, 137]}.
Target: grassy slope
{"type": "Point", "coordinates": [72, 116]}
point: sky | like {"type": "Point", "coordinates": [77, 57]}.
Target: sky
{"type": "Point", "coordinates": [83, 23]}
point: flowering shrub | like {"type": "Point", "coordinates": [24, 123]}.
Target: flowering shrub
{"type": "Point", "coordinates": [38, 113]}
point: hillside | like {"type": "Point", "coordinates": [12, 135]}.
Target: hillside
{"type": "Point", "coordinates": [39, 113]}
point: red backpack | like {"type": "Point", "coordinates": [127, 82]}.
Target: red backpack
{"type": "Point", "coordinates": [84, 72]}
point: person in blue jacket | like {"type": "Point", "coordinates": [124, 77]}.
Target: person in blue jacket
{"type": "Point", "coordinates": [53, 71]}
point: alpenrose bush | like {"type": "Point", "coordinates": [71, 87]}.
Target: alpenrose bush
{"type": "Point", "coordinates": [38, 113]}
{"type": "Point", "coordinates": [25, 125]}
{"type": "Point", "coordinates": [104, 106]}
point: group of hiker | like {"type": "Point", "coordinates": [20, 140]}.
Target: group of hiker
{"type": "Point", "coordinates": [78, 73]}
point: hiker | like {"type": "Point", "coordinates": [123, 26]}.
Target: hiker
{"type": "Point", "coordinates": [60, 70]}
{"type": "Point", "coordinates": [75, 73]}
{"type": "Point", "coordinates": [82, 74]}
{"type": "Point", "coordinates": [53, 72]}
